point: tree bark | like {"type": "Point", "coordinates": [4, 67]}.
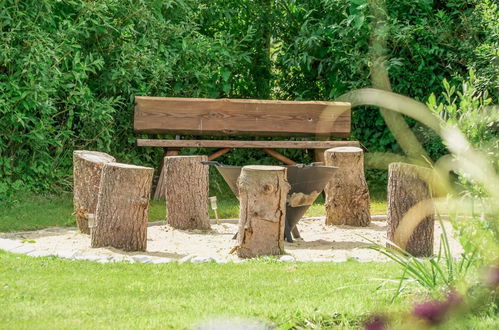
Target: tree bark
{"type": "Point", "coordinates": [262, 195]}
{"type": "Point", "coordinates": [159, 193]}
{"type": "Point", "coordinates": [347, 194]}
{"type": "Point", "coordinates": [87, 169]}
{"type": "Point", "coordinates": [409, 194]}
{"type": "Point", "coordinates": [122, 209]}
{"type": "Point", "coordinates": [187, 192]}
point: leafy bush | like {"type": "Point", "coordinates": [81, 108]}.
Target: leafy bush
{"type": "Point", "coordinates": [471, 111]}
{"type": "Point", "coordinates": [322, 51]}
{"type": "Point", "coordinates": [487, 52]}
{"type": "Point", "coordinates": [69, 69]}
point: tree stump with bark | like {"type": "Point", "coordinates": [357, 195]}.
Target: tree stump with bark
{"type": "Point", "coordinates": [186, 181]}
{"type": "Point", "coordinates": [411, 216]}
{"type": "Point", "coordinates": [87, 170]}
{"type": "Point", "coordinates": [159, 193]}
{"type": "Point", "coordinates": [347, 194]}
{"type": "Point", "coordinates": [122, 209]}
{"type": "Point", "coordinates": [262, 195]}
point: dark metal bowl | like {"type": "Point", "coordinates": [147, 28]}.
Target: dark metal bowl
{"type": "Point", "coordinates": [307, 183]}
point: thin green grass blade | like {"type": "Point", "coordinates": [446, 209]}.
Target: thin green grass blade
{"type": "Point", "coordinates": [438, 268]}
{"type": "Point", "coordinates": [411, 265]}
{"type": "Point", "coordinates": [397, 292]}
{"type": "Point", "coordinates": [447, 253]}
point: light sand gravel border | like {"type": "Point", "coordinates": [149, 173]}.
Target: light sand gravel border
{"type": "Point", "coordinates": [320, 243]}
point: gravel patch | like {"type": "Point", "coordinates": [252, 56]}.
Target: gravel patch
{"type": "Point", "coordinates": [319, 243]}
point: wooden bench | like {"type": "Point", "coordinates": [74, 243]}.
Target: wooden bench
{"type": "Point", "coordinates": [241, 117]}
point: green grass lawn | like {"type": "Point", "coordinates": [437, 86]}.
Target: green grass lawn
{"type": "Point", "coordinates": [49, 292]}
{"type": "Point", "coordinates": [30, 212]}
{"type": "Point", "coordinates": [42, 293]}
{"type": "Point", "coordinates": [53, 293]}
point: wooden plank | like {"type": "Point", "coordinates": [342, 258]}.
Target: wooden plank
{"type": "Point", "coordinates": [163, 115]}
{"type": "Point", "coordinates": [245, 144]}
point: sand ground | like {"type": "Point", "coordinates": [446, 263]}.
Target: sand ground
{"type": "Point", "coordinates": [319, 242]}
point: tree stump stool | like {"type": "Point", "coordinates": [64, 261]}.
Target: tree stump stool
{"type": "Point", "coordinates": [186, 181]}
{"type": "Point", "coordinates": [347, 194]}
{"type": "Point", "coordinates": [262, 195]}
{"type": "Point", "coordinates": [411, 216]}
{"type": "Point", "coordinates": [87, 170]}
{"type": "Point", "coordinates": [159, 193]}
{"type": "Point", "coordinates": [122, 209]}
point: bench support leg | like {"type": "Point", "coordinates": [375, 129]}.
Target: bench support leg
{"type": "Point", "coordinates": [279, 156]}
{"type": "Point", "coordinates": [218, 153]}
{"type": "Point", "coordinates": [319, 155]}
{"type": "Point", "coordinates": [290, 233]}
{"type": "Point", "coordinates": [295, 232]}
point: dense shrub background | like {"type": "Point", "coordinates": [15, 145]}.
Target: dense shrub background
{"type": "Point", "coordinates": [69, 69]}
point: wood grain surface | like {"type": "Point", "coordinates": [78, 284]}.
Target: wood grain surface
{"type": "Point", "coordinates": [245, 144]}
{"type": "Point", "coordinates": [164, 115]}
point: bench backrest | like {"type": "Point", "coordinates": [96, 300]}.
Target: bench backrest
{"type": "Point", "coordinates": [195, 116]}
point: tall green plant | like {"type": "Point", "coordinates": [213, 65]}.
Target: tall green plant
{"type": "Point", "coordinates": [437, 274]}
{"type": "Point", "coordinates": [472, 112]}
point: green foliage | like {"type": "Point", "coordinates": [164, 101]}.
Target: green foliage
{"type": "Point", "coordinates": [487, 53]}
{"type": "Point", "coordinates": [439, 273]}
{"type": "Point", "coordinates": [481, 233]}
{"type": "Point", "coordinates": [470, 110]}
{"type": "Point", "coordinates": [377, 181]}
{"type": "Point", "coordinates": [322, 51]}
{"type": "Point", "coordinates": [426, 37]}
{"type": "Point", "coordinates": [69, 70]}
{"type": "Point", "coordinates": [248, 23]}
{"type": "Point", "coordinates": [317, 41]}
